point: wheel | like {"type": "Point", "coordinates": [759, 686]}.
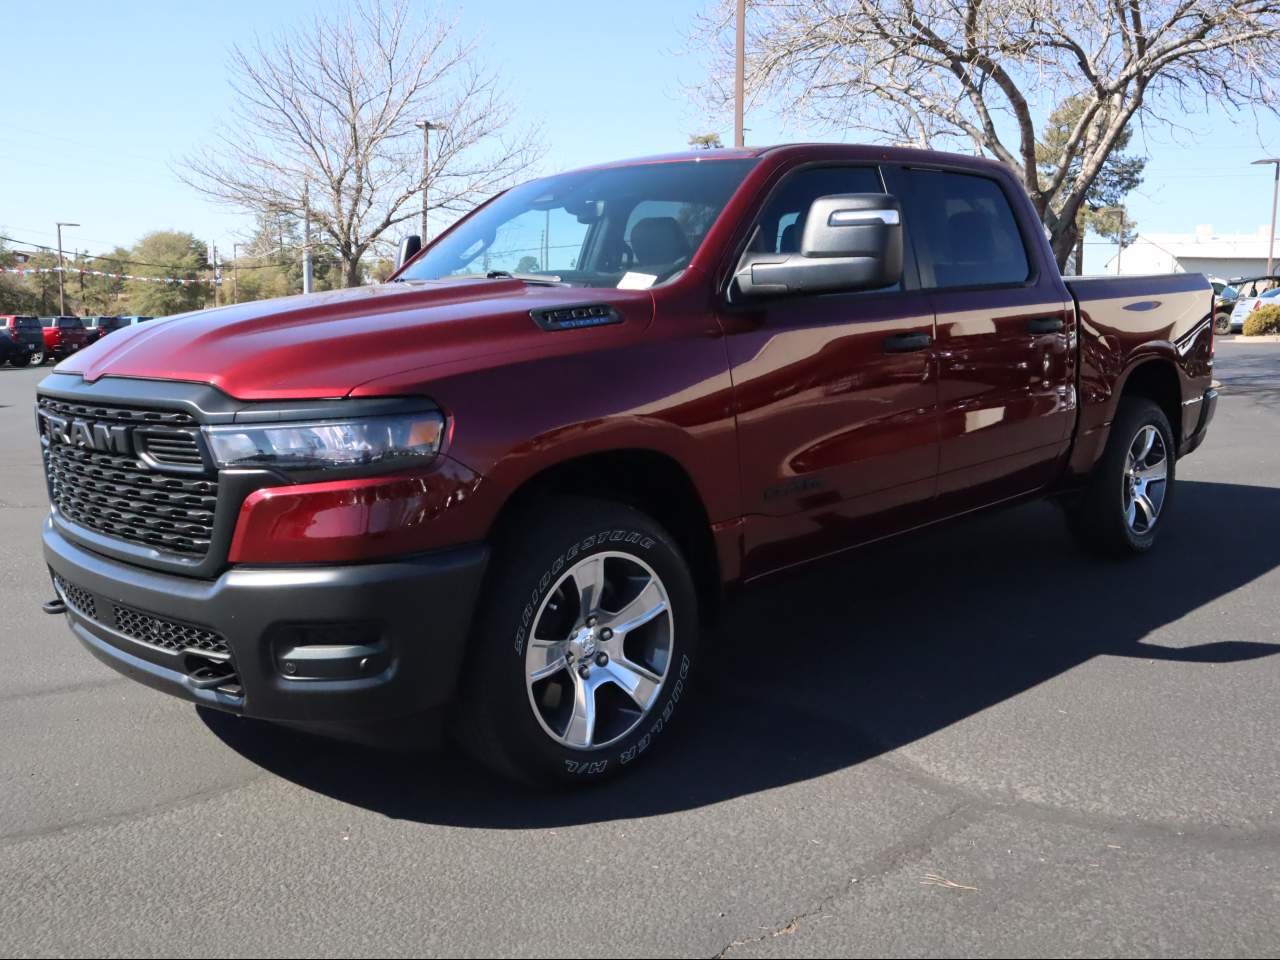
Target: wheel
{"type": "Point", "coordinates": [1222, 323]}
{"type": "Point", "coordinates": [19, 358]}
{"type": "Point", "coordinates": [1130, 491]}
{"type": "Point", "coordinates": [583, 647]}
{"type": "Point", "coordinates": [39, 357]}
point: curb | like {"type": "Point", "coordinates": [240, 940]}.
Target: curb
{"type": "Point", "coordinates": [1241, 338]}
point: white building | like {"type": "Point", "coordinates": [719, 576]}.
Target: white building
{"type": "Point", "coordinates": [1219, 255]}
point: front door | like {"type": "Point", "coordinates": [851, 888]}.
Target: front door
{"type": "Point", "coordinates": [835, 398]}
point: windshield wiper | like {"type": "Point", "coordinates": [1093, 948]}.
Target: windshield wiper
{"type": "Point", "coordinates": [506, 275]}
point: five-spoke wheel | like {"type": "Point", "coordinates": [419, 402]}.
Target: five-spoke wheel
{"type": "Point", "coordinates": [1145, 476]}
{"type": "Point", "coordinates": [600, 650]}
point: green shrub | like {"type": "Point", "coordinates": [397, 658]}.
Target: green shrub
{"type": "Point", "coordinates": [1262, 321]}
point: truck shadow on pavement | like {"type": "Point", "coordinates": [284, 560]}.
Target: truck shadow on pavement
{"type": "Point", "coordinates": [851, 658]}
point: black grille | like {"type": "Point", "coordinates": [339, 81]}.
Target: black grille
{"type": "Point", "coordinates": [91, 411]}
{"type": "Point", "coordinates": [171, 448]}
{"type": "Point", "coordinates": [119, 495]}
{"type": "Point", "coordinates": [152, 629]}
{"type": "Point", "coordinates": [168, 634]}
{"type": "Point", "coordinates": [81, 601]}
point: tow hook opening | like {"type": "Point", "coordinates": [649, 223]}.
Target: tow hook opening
{"type": "Point", "coordinates": [220, 675]}
{"type": "Point", "coordinates": [54, 607]}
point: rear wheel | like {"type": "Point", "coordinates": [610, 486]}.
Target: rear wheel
{"type": "Point", "coordinates": [39, 356]}
{"type": "Point", "coordinates": [1222, 323]}
{"type": "Point", "coordinates": [583, 647]}
{"type": "Point", "coordinates": [19, 358]}
{"type": "Point", "coordinates": [1129, 494]}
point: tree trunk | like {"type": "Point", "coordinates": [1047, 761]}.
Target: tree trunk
{"type": "Point", "coordinates": [351, 271]}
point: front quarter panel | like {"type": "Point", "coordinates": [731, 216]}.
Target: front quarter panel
{"type": "Point", "coordinates": [663, 388]}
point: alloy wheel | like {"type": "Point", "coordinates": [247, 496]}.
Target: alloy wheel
{"type": "Point", "coordinates": [599, 650]}
{"type": "Point", "coordinates": [1146, 477]}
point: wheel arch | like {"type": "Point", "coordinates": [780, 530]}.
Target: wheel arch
{"type": "Point", "coordinates": [1157, 379]}
{"type": "Point", "coordinates": [646, 479]}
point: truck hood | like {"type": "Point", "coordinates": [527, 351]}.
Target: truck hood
{"type": "Point", "coordinates": [325, 345]}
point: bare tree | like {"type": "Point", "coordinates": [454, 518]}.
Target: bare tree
{"type": "Point", "coordinates": [334, 105]}
{"type": "Point", "coordinates": [980, 72]}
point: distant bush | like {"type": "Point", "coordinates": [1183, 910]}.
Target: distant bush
{"type": "Point", "coordinates": [1262, 321]}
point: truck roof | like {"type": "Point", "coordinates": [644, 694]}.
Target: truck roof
{"type": "Point", "coordinates": [866, 152]}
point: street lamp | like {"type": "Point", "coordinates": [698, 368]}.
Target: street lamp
{"type": "Point", "coordinates": [62, 300]}
{"type": "Point", "coordinates": [1275, 193]}
{"type": "Point", "coordinates": [427, 126]}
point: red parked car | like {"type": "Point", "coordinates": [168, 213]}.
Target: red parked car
{"type": "Point", "coordinates": [514, 485]}
{"type": "Point", "coordinates": [63, 336]}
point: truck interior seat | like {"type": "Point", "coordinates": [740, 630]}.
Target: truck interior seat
{"type": "Point", "coordinates": [659, 241]}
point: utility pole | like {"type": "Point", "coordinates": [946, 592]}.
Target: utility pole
{"type": "Point", "coordinates": [1275, 193]}
{"type": "Point", "coordinates": [306, 235]}
{"type": "Point", "coordinates": [213, 262]}
{"type": "Point", "coordinates": [427, 126]}
{"type": "Point", "coordinates": [235, 273]}
{"type": "Point", "coordinates": [62, 300]}
{"type": "Point", "coordinates": [1120, 242]}
{"type": "Point", "coordinates": [739, 70]}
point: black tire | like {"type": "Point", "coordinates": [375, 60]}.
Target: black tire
{"type": "Point", "coordinates": [39, 357]}
{"type": "Point", "coordinates": [20, 358]}
{"type": "Point", "coordinates": [1100, 518]}
{"type": "Point", "coordinates": [505, 721]}
{"type": "Point", "coordinates": [1222, 323]}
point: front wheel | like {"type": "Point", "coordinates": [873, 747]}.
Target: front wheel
{"type": "Point", "coordinates": [583, 647]}
{"type": "Point", "coordinates": [1130, 491]}
{"type": "Point", "coordinates": [1222, 323]}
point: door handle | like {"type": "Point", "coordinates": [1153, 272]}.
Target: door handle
{"type": "Point", "coordinates": [906, 342]}
{"type": "Point", "coordinates": [1045, 325]}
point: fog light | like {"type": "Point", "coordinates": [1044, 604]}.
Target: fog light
{"type": "Point", "coordinates": [331, 651]}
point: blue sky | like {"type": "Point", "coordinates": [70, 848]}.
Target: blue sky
{"type": "Point", "coordinates": [103, 98]}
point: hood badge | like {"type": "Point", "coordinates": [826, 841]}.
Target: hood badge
{"type": "Point", "coordinates": [573, 318]}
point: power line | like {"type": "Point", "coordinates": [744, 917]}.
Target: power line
{"type": "Point", "coordinates": [162, 266]}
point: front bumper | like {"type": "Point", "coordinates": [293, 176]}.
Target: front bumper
{"type": "Point", "coordinates": [1208, 405]}
{"type": "Point", "coordinates": [410, 617]}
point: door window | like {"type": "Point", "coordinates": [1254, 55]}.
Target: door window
{"type": "Point", "coordinates": [964, 230]}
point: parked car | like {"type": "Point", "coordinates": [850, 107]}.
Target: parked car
{"type": "Point", "coordinates": [26, 331]}
{"type": "Point", "coordinates": [515, 491]}
{"type": "Point", "coordinates": [1225, 296]}
{"type": "Point", "coordinates": [63, 336]}
{"type": "Point", "coordinates": [1245, 305]}
{"type": "Point", "coordinates": [98, 327]}
{"type": "Point", "coordinates": [11, 350]}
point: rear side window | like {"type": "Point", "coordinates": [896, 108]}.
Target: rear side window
{"type": "Point", "coordinates": [964, 230]}
{"type": "Point", "coordinates": [69, 323]}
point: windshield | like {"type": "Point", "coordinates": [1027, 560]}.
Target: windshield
{"type": "Point", "coordinates": [630, 226]}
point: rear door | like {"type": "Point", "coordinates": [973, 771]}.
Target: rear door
{"type": "Point", "coordinates": [835, 397]}
{"type": "Point", "coordinates": [1005, 334]}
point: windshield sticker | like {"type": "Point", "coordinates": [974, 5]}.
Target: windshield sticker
{"type": "Point", "coordinates": [636, 281]}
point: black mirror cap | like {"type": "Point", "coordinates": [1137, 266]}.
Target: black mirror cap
{"type": "Point", "coordinates": [853, 225]}
{"type": "Point", "coordinates": [851, 242]}
{"type": "Point", "coordinates": [409, 248]}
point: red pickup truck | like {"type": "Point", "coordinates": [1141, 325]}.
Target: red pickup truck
{"type": "Point", "coordinates": [63, 336]}
{"type": "Point", "coordinates": [514, 485]}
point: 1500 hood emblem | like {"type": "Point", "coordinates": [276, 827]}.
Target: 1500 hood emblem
{"type": "Point", "coordinates": [105, 437]}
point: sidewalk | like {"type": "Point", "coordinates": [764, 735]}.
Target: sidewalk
{"type": "Point", "coordinates": [1241, 338]}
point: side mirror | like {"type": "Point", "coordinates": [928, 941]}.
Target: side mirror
{"type": "Point", "coordinates": [851, 241]}
{"type": "Point", "coordinates": [409, 248]}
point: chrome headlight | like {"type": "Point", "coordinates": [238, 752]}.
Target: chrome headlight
{"type": "Point", "coordinates": [392, 442]}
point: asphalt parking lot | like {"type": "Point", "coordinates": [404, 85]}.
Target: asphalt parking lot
{"type": "Point", "coordinates": [971, 741]}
